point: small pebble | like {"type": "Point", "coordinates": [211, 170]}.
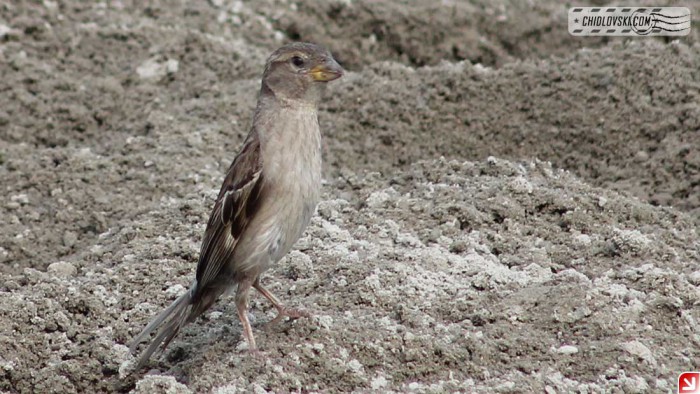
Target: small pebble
{"type": "Point", "coordinates": [567, 349]}
{"type": "Point", "coordinates": [62, 269]}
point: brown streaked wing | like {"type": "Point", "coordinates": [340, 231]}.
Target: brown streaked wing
{"type": "Point", "coordinates": [236, 204]}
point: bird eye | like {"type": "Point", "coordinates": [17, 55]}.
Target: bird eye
{"type": "Point", "coordinates": [297, 61]}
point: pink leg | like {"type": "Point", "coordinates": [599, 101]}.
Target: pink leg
{"type": "Point", "coordinates": [282, 311]}
{"type": "Point", "coordinates": [242, 307]}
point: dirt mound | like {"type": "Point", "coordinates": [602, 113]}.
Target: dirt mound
{"type": "Point", "coordinates": [431, 266]}
{"type": "Point", "coordinates": [624, 117]}
{"type": "Point", "coordinates": [468, 275]}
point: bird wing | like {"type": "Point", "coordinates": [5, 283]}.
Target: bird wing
{"type": "Point", "coordinates": [238, 200]}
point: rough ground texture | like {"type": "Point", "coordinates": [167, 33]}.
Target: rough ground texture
{"type": "Point", "coordinates": [506, 208]}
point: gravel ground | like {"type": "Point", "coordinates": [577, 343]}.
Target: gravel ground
{"type": "Point", "coordinates": [506, 208]}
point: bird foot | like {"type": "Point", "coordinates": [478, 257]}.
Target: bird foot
{"type": "Point", "coordinates": [291, 313]}
{"type": "Point", "coordinates": [256, 354]}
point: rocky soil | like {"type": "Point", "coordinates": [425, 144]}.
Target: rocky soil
{"type": "Point", "coordinates": [506, 208]}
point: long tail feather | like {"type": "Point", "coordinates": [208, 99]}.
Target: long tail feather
{"type": "Point", "coordinates": [175, 317]}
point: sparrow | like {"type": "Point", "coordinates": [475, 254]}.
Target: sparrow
{"type": "Point", "coordinates": [267, 199]}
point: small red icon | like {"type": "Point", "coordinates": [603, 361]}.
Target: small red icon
{"type": "Point", "coordinates": [689, 383]}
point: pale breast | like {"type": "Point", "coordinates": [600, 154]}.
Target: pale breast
{"type": "Point", "coordinates": [292, 176]}
{"type": "Point", "coordinates": [296, 178]}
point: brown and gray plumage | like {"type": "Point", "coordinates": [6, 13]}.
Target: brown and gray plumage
{"type": "Point", "coordinates": [268, 196]}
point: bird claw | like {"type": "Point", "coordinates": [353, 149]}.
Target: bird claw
{"type": "Point", "coordinates": [256, 354]}
{"type": "Point", "coordinates": [291, 313]}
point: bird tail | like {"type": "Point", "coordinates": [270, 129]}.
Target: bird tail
{"type": "Point", "coordinates": [174, 318]}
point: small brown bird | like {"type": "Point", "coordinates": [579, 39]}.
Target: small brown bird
{"type": "Point", "coordinates": [268, 196]}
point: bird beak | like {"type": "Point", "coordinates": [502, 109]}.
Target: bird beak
{"type": "Point", "coordinates": [328, 71]}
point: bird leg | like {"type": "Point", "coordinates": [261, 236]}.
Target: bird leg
{"type": "Point", "coordinates": [242, 307]}
{"type": "Point", "coordinates": [282, 311]}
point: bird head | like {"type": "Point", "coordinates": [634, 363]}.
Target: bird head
{"type": "Point", "coordinates": [298, 72]}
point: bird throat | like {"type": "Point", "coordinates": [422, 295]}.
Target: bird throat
{"type": "Point", "coordinates": [290, 136]}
